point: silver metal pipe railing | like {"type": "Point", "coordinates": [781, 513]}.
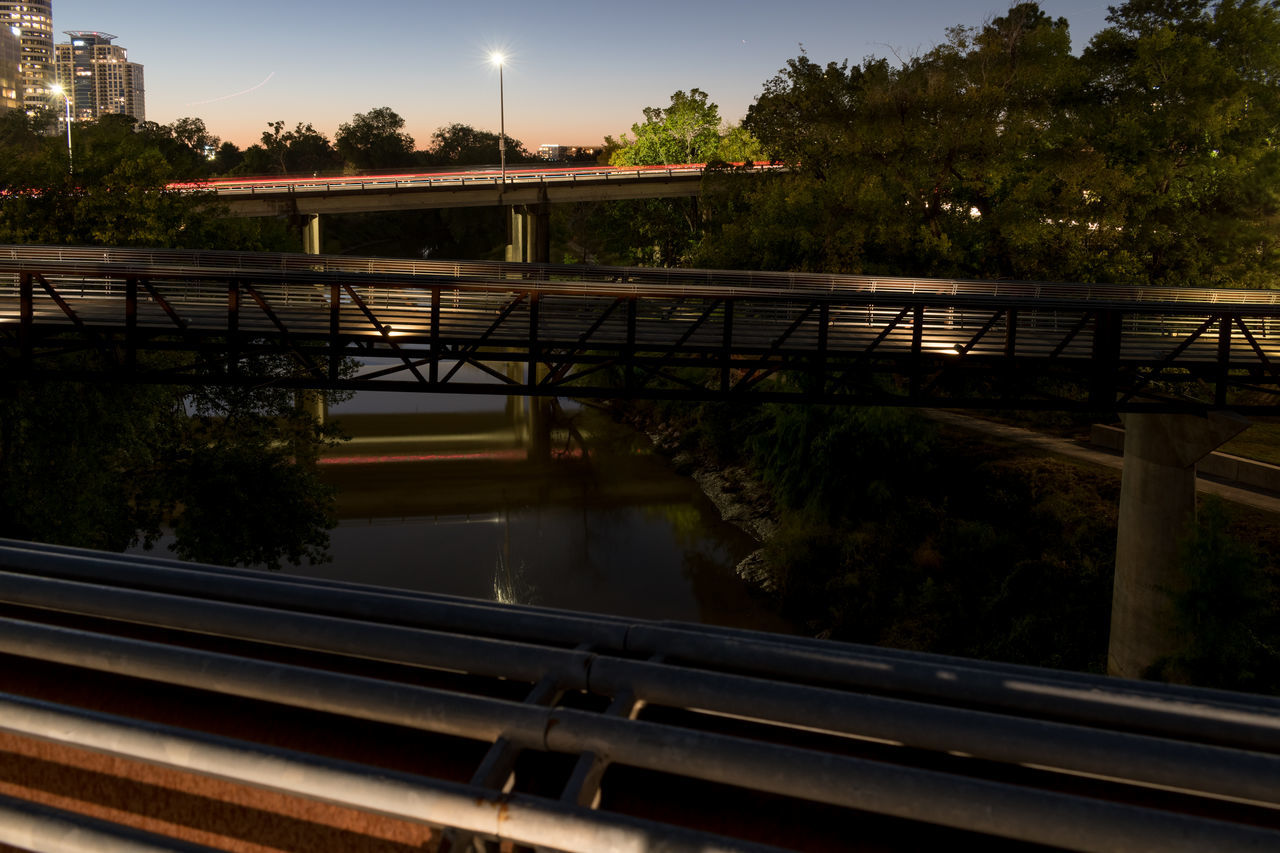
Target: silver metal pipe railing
{"type": "Point", "coordinates": [995, 808]}
{"type": "Point", "coordinates": [1208, 716]}
{"type": "Point", "coordinates": [986, 735]}
{"type": "Point", "coordinates": [519, 818]}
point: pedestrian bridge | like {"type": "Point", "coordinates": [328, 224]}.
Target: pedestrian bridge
{"type": "Point", "coordinates": [593, 331]}
{"type": "Point", "coordinates": [154, 705]}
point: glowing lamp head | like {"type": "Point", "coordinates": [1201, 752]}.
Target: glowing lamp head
{"type": "Point", "coordinates": [57, 89]}
{"type": "Point", "coordinates": [497, 58]}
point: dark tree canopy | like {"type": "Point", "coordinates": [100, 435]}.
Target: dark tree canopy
{"type": "Point", "coordinates": [303, 150]}
{"type": "Point", "coordinates": [1150, 159]}
{"type": "Point", "coordinates": [375, 140]}
{"type": "Point", "coordinates": [464, 145]}
{"type": "Point", "coordinates": [106, 466]}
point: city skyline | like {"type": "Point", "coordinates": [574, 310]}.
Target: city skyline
{"type": "Point", "coordinates": [570, 79]}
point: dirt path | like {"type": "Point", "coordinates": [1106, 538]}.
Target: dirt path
{"type": "Point", "coordinates": [1085, 452]}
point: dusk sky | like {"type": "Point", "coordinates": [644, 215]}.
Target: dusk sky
{"type": "Point", "coordinates": [572, 74]}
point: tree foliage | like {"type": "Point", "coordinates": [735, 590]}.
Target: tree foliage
{"type": "Point", "coordinates": [463, 145]}
{"type": "Point", "coordinates": [302, 150]}
{"type": "Point", "coordinates": [1188, 119]}
{"type": "Point", "coordinates": [659, 232]}
{"type": "Point", "coordinates": [687, 131]}
{"type": "Point", "coordinates": [375, 140]}
{"type": "Point", "coordinates": [1151, 159]}
{"type": "Point", "coordinates": [107, 465]}
{"type": "Point", "coordinates": [1223, 609]}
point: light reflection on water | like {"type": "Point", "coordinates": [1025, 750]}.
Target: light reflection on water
{"type": "Point", "coordinates": [605, 527]}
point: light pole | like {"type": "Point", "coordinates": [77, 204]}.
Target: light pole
{"type": "Point", "coordinates": [58, 89]}
{"type": "Point", "coordinates": [496, 59]}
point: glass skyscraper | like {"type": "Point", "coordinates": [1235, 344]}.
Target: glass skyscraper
{"type": "Point", "coordinates": [32, 23]}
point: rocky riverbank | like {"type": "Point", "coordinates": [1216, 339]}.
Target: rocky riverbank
{"type": "Point", "coordinates": [741, 499]}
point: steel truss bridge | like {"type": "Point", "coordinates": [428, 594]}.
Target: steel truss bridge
{"type": "Point", "coordinates": [595, 332]}
{"type": "Point", "coordinates": [152, 705]}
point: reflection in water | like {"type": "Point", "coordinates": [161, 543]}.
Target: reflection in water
{"type": "Point", "coordinates": [510, 584]}
{"type": "Point", "coordinates": [490, 505]}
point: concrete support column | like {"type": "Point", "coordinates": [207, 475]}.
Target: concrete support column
{"type": "Point", "coordinates": [315, 403]}
{"type": "Point", "coordinates": [515, 235]}
{"type": "Point", "coordinates": [312, 234]}
{"type": "Point", "coordinates": [1157, 510]}
{"type": "Point", "coordinates": [529, 233]}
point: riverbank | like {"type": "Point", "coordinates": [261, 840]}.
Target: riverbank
{"type": "Point", "coordinates": [885, 528]}
{"type": "Point", "coordinates": [740, 497]}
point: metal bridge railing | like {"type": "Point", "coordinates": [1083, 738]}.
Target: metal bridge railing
{"type": "Point", "coordinates": [725, 739]}
{"type": "Point", "coordinates": [574, 319]}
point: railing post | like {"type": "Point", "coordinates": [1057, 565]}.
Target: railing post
{"type": "Point", "coordinates": [233, 326]}
{"type": "Point", "coordinates": [435, 336]}
{"type": "Point", "coordinates": [727, 353]}
{"type": "Point", "coordinates": [1105, 361]}
{"type": "Point", "coordinates": [130, 325]}
{"type": "Point", "coordinates": [27, 318]}
{"type": "Point", "coordinates": [1224, 362]}
{"type": "Point", "coordinates": [917, 348]}
{"type": "Point", "coordinates": [335, 330]}
{"type": "Point", "coordinates": [820, 362]}
{"type": "Point", "coordinates": [629, 356]}
{"type": "Point", "coordinates": [531, 378]}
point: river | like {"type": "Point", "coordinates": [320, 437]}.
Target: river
{"type": "Point", "coordinates": [525, 501]}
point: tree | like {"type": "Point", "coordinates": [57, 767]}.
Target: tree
{"type": "Point", "coordinates": [375, 140]}
{"type": "Point", "coordinates": [464, 145]}
{"type": "Point", "coordinates": [965, 161]}
{"type": "Point", "coordinates": [687, 131]}
{"type": "Point", "coordinates": [105, 465]}
{"type": "Point", "coordinates": [303, 149]}
{"type": "Point", "coordinates": [192, 133]}
{"type": "Point", "coordinates": [1188, 107]}
{"type": "Point", "coordinates": [660, 231]}
{"type": "Point", "coordinates": [228, 157]}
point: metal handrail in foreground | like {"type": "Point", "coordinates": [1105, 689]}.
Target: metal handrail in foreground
{"type": "Point", "coordinates": [977, 747]}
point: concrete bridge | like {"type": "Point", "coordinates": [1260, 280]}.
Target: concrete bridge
{"type": "Point", "coordinates": [525, 193]}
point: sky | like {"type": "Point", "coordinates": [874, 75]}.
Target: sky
{"type": "Point", "coordinates": [572, 74]}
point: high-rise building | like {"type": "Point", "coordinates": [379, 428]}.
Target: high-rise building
{"type": "Point", "coordinates": [32, 23]}
{"type": "Point", "coordinates": [99, 77]}
{"type": "Point", "coordinates": [10, 70]}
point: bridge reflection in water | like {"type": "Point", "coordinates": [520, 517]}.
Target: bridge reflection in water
{"type": "Point", "coordinates": [530, 502]}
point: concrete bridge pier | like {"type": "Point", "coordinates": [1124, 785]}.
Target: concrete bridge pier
{"type": "Point", "coordinates": [312, 234]}
{"type": "Point", "coordinates": [1157, 510]}
{"type": "Point", "coordinates": [314, 403]}
{"type": "Point", "coordinates": [529, 233]}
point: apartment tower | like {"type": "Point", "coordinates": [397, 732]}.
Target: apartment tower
{"type": "Point", "coordinates": [32, 23]}
{"type": "Point", "coordinates": [10, 70]}
{"type": "Point", "coordinates": [99, 77]}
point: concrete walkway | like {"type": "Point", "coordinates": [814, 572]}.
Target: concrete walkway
{"type": "Point", "coordinates": [1085, 452]}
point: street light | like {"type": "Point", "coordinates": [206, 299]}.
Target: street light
{"type": "Point", "coordinates": [497, 59]}
{"type": "Point", "coordinates": [59, 89]}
